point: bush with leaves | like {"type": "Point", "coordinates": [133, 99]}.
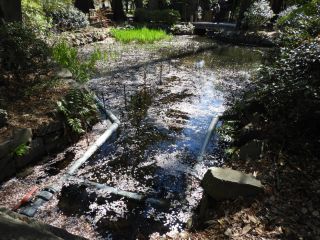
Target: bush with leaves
{"type": "Point", "coordinates": [68, 58]}
{"type": "Point", "coordinates": [287, 96]}
{"type": "Point", "coordinates": [54, 5]}
{"type": "Point", "coordinates": [167, 16]}
{"type": "Point", "coordinates": [79, 109]}
{"type": "Point", "coordinates": [68, 18]}
{"type": "Point", "coordinates": [299, 24]}
{"type": "Point", "coordinates": [258, 15]}
{"type": "Point", "coordinates": [21, 49]}
{"type": "Point", "coordinates": [34, 16]}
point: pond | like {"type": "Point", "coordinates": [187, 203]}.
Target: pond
{"type": "Point", "coordinates": [165, 109]}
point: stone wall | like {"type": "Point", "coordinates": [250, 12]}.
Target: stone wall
{"type": "Point", "coordinates": [40, 142]}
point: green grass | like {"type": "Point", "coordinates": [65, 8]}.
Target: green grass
{"type": "Point", "coordinates": [141, 35]}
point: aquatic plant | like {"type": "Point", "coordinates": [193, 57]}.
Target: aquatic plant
{"type": "Point", "coordinates": [141, 35]}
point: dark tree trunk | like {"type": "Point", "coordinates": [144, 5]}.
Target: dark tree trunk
{"type": "Point", "coordinates": [244, 5]}
{"type": "Point", "coordinates": [117, 8]}
{"type": "Point", "coordinates": [127, 5]}
{"type": "Point", "coordinates": [11, 10]}
{"type": "Point", "coordinates": [84, 5]}
{"type": "Point", "coordinates": [276, 6]}
{"type": "Point", "coordinates": [153, 4]}
{"type": "Point", "coordinates": [138, 3]}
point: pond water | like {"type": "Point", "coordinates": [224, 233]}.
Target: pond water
{"type": "Point", "coordinates": [165, 109]}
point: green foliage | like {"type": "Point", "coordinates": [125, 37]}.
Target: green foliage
{"type": "Point", "coordinates": [167, 16]}
{"type": "Point", "coordinates": [34, 15]}
{"type": "Point", "coordinates": [142, 35]}
{"type": "Point", "coordinates": [68, 18]}
{"type": "Point", "coordinates": [20, 48]}
{"type": "Point", "coordinates": [79, 110]}
{"type": "Point", "coordinates": [54, 5]}
{"type": "Point", "coordinates": [283, 103]}
{"type": "Point", "coordinates": [299, 24]}
{"type": "Point", "coordinates": [21, 150]}
{"type": "Point", "coordinates": [258, 15]}
{"type": "Point", "coordinates": [68, 57]}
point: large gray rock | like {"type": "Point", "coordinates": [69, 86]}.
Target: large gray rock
{"type": "Point", "coordinates": [7, 166]}
{"type": "Point", "coordinates": [16, 226]}
{"type": "Point", "coordinates": [35, 152]}
{"type": "Point", "coordinates": [3, 118]}
{"type": "Point", "coordinates": [22, 136]}
{"type": "Point", "coordinates": [225, 183]}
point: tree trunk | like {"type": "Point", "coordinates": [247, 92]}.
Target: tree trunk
{"type": "Point", "coordinates": [244, 5]}
{"type": "Point", "coordinates": [153, 4]}
{"type": "Point", "coordinates": [276, 6]}
{"type": "Point", "coordinates": [11, 10]}
{"type": "Point", "coordinates": [138, 3]}
{"type": "Point", "coordinates": [117, 8]}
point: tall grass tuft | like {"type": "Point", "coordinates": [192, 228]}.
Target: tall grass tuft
{"type": "Point", "coordinates": [141, 35]}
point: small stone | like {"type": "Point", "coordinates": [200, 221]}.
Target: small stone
{"type": "Point", "coordinates": [304, 210]}
{"type": "Point", "coordinates": [3, 118]}
{"type": "Point", "coordinates": [228, 232]}
{"type": "Point", "coordinates": [315, 213]}
{"type": "Point", "coordinates": [184, 235]}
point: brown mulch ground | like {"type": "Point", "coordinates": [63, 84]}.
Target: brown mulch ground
{"type": "Point", "coordinates": [34, 105]}
{"type": "Point", "coordinates": [289, 208]}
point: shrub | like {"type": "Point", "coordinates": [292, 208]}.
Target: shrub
{"type": "Point", "coordinates": [182, 29]}
{"type": "Point", "coordinates": [79, 109]}
{"type": "Point", "coordinates": [258, 15]}
{"type": "Point", "coordinates": [143, 35]}
{"type": "Point", "coordinates": [68, 57]}
{"type": "Point", "coordinates": [300, 23]}
{"type": "Point", "coordinates": [20, 49]}
{"type": "Point", "coordinates": [159, 16]}
{"type": "Point", "coordinates": [288, 93]}
{"type": "Point", "coordinates": [68, 18]}
{"type": "Point", "coordinates": [54, 5]}
{"type": "Point", "coordinates": [34, 16]}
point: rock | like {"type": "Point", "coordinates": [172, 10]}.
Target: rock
{"type": "Point", "coordinates": [64, 73]}
{"type": "Point", "coordinates": [5, 148]}
{"type": "Point", "coordinates": [16, 226]}
{"type": "Point", "coordinates": [315, 213]}
{"type": "Point", "coordinates": [184, 235]}
{"type": "Point", "coordinates": [22, 136]}
{"type": "Point", "coordinates": [251, 150]}
{"type": "Point", "coordinates": [52, 127]}
{"type": "Point", "coordinates": [304, 210]}
{"type": "Point", "coordinates": [225, 183]}
{"type": "Point", "coordinates": [36, 151]}
{"type": "Point", "coordinates": [3, 118]}
{"type": "Point", "coordinates": [77, 42]}
{"type": "Point", "coordinates": [75, 199]}
{"type": "Point", "coordinates": [228, 232]}
{"type": "Point", "coordinates": [7, 166]}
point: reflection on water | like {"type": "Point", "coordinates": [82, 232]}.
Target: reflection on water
{"type": "Point", "coordinates": [163, 129]}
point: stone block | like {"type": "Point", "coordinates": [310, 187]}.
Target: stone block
{"type": "Point", "coordinates": [225, 183]}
